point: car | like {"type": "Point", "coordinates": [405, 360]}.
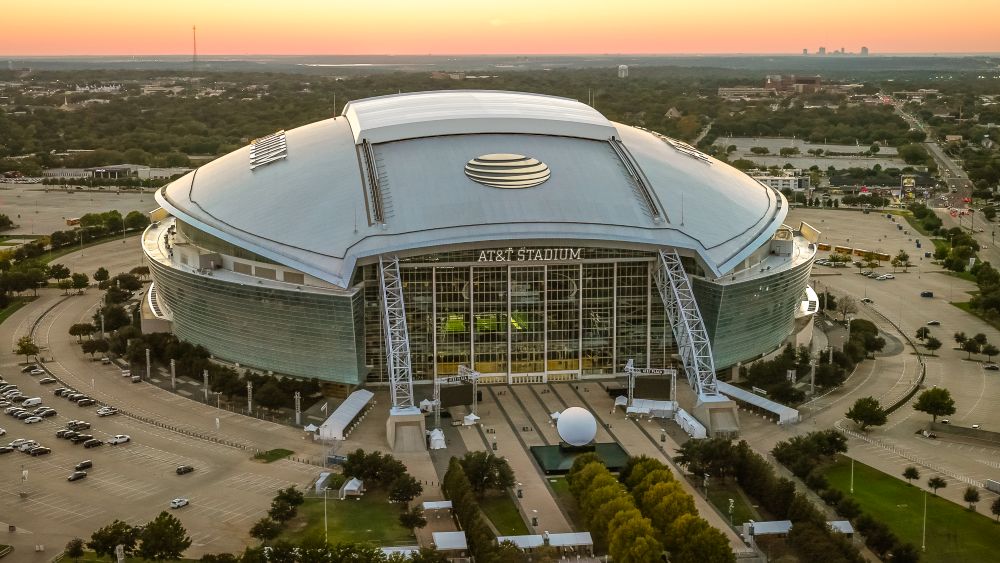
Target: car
{"type": "Point", "coordinates": [22, 415]}
{"type": "Point", "coordinates": [80, 438]}
{"type": "Point", "coordinates": [76, 476]}
{"type": "Point", "coordinates": [126, 373]}
{"type": "Point", "coordinates": [47, 381]}
{"type": "Point", "coordinates": [6, 449]}
{"type": "Point", "coordinates": [36, 372]}
{"type": "Point", "coordinates": [70, 434]}
{"type": "Point", "coordinates": [78, 425]}
{"type": "Point", "coordinates": [74, 397]}
{"type": "Point", "coordinates": [866, 300]}
{"type": "Point", "coordinates": [27, 445]}
{"type": "Point", "coordinates": [32, 419]}
{"type": "Point", "coordinates": [136, 378]}
{"type": "Point", "coordinates": [119, 439]}
{"type": "Point", "coordinates": [17, 443]}
{"type": "Point", "coordinates": [93, 443]}
{"type": "Point", "coordinates": [927, 294]}
{"type": "Point", "coordinates": [945, 421]}
{"type": "Point", "coordinates": [10, 410]}
{"type": "Point", "coordinates": [2, 431]}
{"type": "Point", "coordinates": [4, 403]}
{"type": "Point", "coordinates": [184, 469]}
{"type": "Point", "coordinates": [86, 402]}
{"type": "Point", "coordinates": [28, 368]}
{"type": "Point", "coordinates": [933, 323]}
{"type": "Point", "coordinates": [106, 411]}
{"type": "Point", "coordinates": [105, 360]}
{"type": "Point", "coordinates": [991, 367]}
{"type": "Point", "coordinates": [179, 502]}
{"type": "Point", "coordinates": [40, 450]}
{"type": "Point", "coordinates": [975, 426]}
{"type": "Point", "coordinates": [62, 432]}
{"type": "Point", "coordinates": [47, 413]}
{"type": "Point", "coordinates": [19, 398]}
{"type": "Point", "coordinates": [85, 464]}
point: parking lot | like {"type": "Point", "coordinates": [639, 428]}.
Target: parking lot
{"type": "Point", "coordinates": [228, 491]}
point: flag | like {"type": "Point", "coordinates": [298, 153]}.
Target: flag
{"type": "Point", "coordinates": [323, 408]}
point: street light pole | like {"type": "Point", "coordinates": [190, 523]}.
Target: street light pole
{"type": "Point", "coordinates": [852, 475]}
{"type": "Point", "coordinates": [326, 528]}
{"type": "Point", "coordinates": [923, 540]}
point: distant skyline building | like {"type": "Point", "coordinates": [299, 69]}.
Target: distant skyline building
{"type": "Point", "coordinates": [622, 71]}
{"type": "Point", "coordinates": [864, 51]}
{"type": "Point", "coordinates": [822, 51]}
{"type": "Point", "coordinates": [805, 51]}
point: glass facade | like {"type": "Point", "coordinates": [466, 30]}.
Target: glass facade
{"type": "Point", "coordinates": [750, 318]}
{"type": "Point", "coordinates": [295, 333]}
{"type": "Point", "coordinates": [524, 312]}
{"type": "Point", "coordinates": [507, 312]}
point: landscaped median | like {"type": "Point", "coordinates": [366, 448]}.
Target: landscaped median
{"type": "Point", "coordinates": [954, 533]}
{"type": "Point", "coordinates": [272, 455]}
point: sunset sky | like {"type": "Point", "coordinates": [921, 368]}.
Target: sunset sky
{"type": "Point", "coordinates": [286, 27]}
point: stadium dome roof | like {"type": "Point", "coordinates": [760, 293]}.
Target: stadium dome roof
{"type": "Point", "coordinates": [392, 175]}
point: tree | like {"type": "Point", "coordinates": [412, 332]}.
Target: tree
{"type": "Point", "coordinates": [932, 344]}
{"type": "Point", "coordinates": [136, 220]}
{"type": "Point", "coordinates": [936, 402]}
{"type": "Point", "coordinates": [281, 510]}
{"type": "Point", "coordinates": [866, 412]}
{"type": "Point", "coordinates": [115, 317]}
{"type": "Point", "coordinates": [265, 530]}
{"type": "Point", "coordinates": [989, 351]}
{"type": "Point", "coordinates": [105, 539]}
{"type": "Point", "coordinates": [74, 549]}
{"type": "Point", "coordinates": [995, 508]}
{"type": "Point", "coordinates": [632, 538]}
{"type": "Point", "coordinates": [101, 275]}
{"type": "Point", "coordinates": [923, 332]}
{"type": "Point", "coordinates": [79, 330]}
{"type": "Point", "coordinates": [413, 518]}
{"type": "Point", "coordinates": [911, 473]}
{"type": "Point", "coordinates": [971, 496]}
{"type": "Point", "coordinates": [847, 306]}
{"type": "Point", "coordinates": [960, 338]}
{"type": "Point", "coordinates": [404, 489]}
{"type": "Point", "coordinates": [905, 553]}
{"type": "Point", "coordinates": [163, 538]}
{"type": "Point", "coordinates": [970, 346]}
{"type": "Point", "coordinates": [80, 281]}
{"type": "Point", "coordinates": [980, 339]}
{"type": "Point", "coordinates": [65, 285]}
{"type": "Point", "coordinates": [936, 483]}
{"type": "Point", "coordinates": [487, 471]}
{"type": "Point", "coordinates": [26, 347]}
{"type": "Point", "coordinates": [271, 395]}
{"type": "Point", "coordinates": [58, 272]}
{"type": "Point", "coordinates": [292, 496]}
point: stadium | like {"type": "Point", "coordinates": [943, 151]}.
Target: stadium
{"type": "Point", "coordinates": [523, 236]}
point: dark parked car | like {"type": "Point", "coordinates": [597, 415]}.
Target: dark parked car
{"type": "Point", "coordinates": [927, 294]}
{"type": "Point", "coordinates": [77, 425]}
{"type": "Point", "coordinates": [69, 435]}
{"type": "Point", "coordinates": [87, 464]}
{"type": "Point", "coordinates": [182, 469]}
{"type": "Point", "coordinates": [40, 450]}
{"type": "Point", "coordinates": [81, 438]}
{"type": "Point", "coordinates": [6, 449]}
{"type": "Point", "coordinates": [28, 368]}
{"type": "Point", "coordinates": [62, 433]}
{"type": "Point", "coordinates": [86, 402]}
{"type": "Point", "coordinates": [59, 391]}
{"type": "Point", "coordinates": [93, 443]}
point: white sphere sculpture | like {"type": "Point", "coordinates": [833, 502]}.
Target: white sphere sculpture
{"type": "Point", "coordinates": [576, 426]}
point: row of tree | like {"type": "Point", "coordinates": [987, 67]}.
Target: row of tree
{"type": "Point", "coordinates": [284, 507]}
{"type": "Point", "coordinates": [162, 539]}
{"type": "Point", "coordinates": [810, 537]}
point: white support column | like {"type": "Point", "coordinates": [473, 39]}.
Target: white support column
{"type": "Point", "coordinates": [396, 335]}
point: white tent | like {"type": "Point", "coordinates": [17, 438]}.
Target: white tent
{"type": "Point", "coordinates": [353, 487]}
{"type": "Point", "coordinates": [335, 427]}
{"type": "Point", "coordinates": [437, 441]}
{"type": "Point", "coordinates": [427, 405]}
{"type": "Point", "coordinates": [311, 428]}
{"type": "Point", "coordinates": [471, 419]}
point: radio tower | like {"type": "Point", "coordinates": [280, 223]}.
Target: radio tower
{"type": "Point", "coordinates": [194, 49]}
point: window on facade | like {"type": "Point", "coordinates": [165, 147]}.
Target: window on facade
{"type": "Point", "coordinates": [293, 277]}
{"type": "Point", "coordinates": [241, 268]}
{"type": "Point", "coordinates": [266, 273]}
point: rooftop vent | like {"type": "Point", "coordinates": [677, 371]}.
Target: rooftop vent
{"type": "Point", "coordinates": [268, 149]}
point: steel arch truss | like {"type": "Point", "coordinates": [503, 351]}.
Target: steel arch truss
{"type": "Point", "coordinates": [687, 324]}
{"type": "Point", "coordinates": [397, 338]}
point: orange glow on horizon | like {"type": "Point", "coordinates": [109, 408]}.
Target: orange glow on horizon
{"type": "Point", "coordinates": [439, 27]}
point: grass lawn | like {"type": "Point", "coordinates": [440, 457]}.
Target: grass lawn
{"type": "Point", "coordinates": [15, 304]}
{"type": "Point", "coordinates": [720, 493]}
{"type": "Point", "coordinates": [967, 307]}
{"type": "Point", "coordinates": [273, 455]}
{"type": "Point", "coordinates": [953, 532]}
{"type": "Point", "coordinates": [560, 486]}
{"type": "Point", "coordinates": [370, 519]}
{"type": "Point", "coordinates": [502, 511]}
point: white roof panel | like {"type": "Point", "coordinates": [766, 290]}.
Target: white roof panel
{"type": "Point", "coordinates": [445, 541]}
{"type": "Point", "coordinates": [460, 112]}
